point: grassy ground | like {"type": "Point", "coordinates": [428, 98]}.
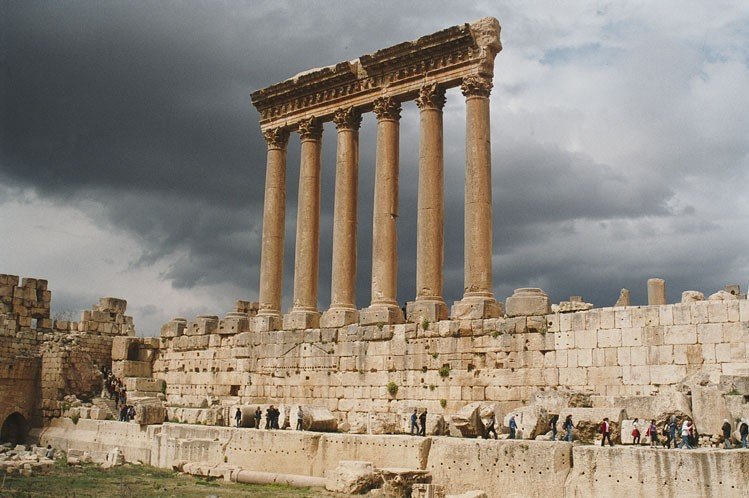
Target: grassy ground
{"type": "Point", "coordinates": [138, 481]}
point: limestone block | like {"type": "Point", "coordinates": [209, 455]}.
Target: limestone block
{"type": "Point", "coordinates": [692, 296]}
{"type": "Point", "coordinates": [98, 413]}
{"type": "Point", "coordinates": [468, 420]}
{"type": "Point", "coordinates": [709, 408]}
{"type": "Point", "coordinates": [114, 458]}
{"type": "Point", "coordinates": [427, 491]}
{"type": "Point", "coordinates": [532, 420]}
{"type": "Point", "coordinates": [112, 305]}
{"type": "Point", "coordinates": [145, 384]}
{"type": "Point", "coordinates": [248, 307]}
{"type": "Point", "coordinates": [314, 418]}
{"type": "Point", "coordinates": [234, 323]}
{"type": "Point", "coordinates": [399, 481]}
{"type": "Point", "coordinates": [436, 424]}
{"type": "Point", "coordinates": [623, 298]}
{"type": "Point", "coordinates": [383, 423]}
{"type": "Point", "coordinates": [149, 411]}
{"type": "Point", "coordinates": [588, 422]}
{"type": "Point", "coordinates": [571, 307]}
{"type": "Point", "coordinates": [528, 302]}
{"type": "Point", "coordinates": [127, 368]}
{"type": "Point", "coordinates": [469, 494]}
{"type": "Point", "coordinates": [656, 291]}
{"type": "Point", "coordinates": [352, 477]}
{"type": "Point", "coordinates": [722, 295]}
{"type": "Point", "coordinates": [174, 328]}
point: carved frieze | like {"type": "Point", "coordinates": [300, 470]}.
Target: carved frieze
{"type": "Point", "coordinates": [431, 96]}
{"type": "Point", "coordinates": [445, 58]}
{"type": "Point", "coordinates": [387, 108]}
{"type": "Point", "coordinates": [347, 118]}
{"type": "Point", "coordinates": [476, 86]}
{"type": "Point", "coordinates": [310, 129]}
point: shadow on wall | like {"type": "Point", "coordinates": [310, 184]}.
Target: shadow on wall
{"type": "Point", "coordinates": [14, 429]}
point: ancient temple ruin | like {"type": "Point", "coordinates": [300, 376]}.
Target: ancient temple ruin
{"type": "Point", "coordinates": [357, 375]}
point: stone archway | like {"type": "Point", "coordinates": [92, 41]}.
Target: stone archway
{"type": "Point", "coordinates": [14, 429]}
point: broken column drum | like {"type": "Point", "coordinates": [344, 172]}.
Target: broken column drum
{"type": "Point", "coordinates": [380, 82]}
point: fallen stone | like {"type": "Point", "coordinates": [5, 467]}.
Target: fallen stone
{"type": "Point", "coordinates": [114, 458]}
{"type": "Point", "coordinates": [469, 494]}
{"type": "Point", "coordinates": [383, 423]}
{"type": "Point", "coordinates": [623, 298]}
{"type": "Point", "coordinates": [314, 418]}
{"type": "Point", "coordinates": [722, 295]}
{"type": "Point", "coordinates": [149, 411]}
{"type": "Point", "coordinates": [532, 420]}
{"type": "Point", "coordinates": [352, 477]}
{"type": "Point", "coordinates": [587, 422]}
{"type": "Point", "coordinates": [398, 482]}
{"type": "Point", "coordinates": [692, 296]}
{"type": "Point", "coordinates": [468, 420]}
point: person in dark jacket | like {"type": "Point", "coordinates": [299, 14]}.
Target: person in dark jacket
{"type": "Point", "coordinates": [553, 426]}
{"type": "Point", "coordinates": [269, 417]}
{"type": "Point", "coordinates": [415, 422]}
{"type": "Point", "coordinates": [423, 422]}
{"type": "Point", "coordinates": [490, 427]}
{"type": "Point", "coordinates": [258, 416]}
{"type": "Point", "coordinates": [568, 426]}
{"type": "Point", "coordinates": [727, 433]}
{"type": "Point", "coordinates": [744, 433]}
{"type": "Point", "coordinates": [238, 416]}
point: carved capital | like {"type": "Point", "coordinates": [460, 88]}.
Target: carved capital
{"type": "Point", "coordinates": [310, 129]}
{"type": "Point", "coordinates": [347, 118]}
{"type": "Point", "coordinates": [476, 86]}
{"type": "Point", "coordinates": [276, 138]}
{"type": "Point", "coordinates": [431, 96]}
{"type": "Point", "coordinates": [387, 108]}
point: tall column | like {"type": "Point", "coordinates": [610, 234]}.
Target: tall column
{"type": "Point", "coordinates": [478, 297]}
{"type": "Point", "coordinates": [274, 215]}
{"type": "Point", "coordinates": [384, 307]}
{"type": "Point", "coordinates": [343, 283]}
{"type": "Point", "coordinates": [304, 313]}
{"type": "Point", "coordinates": [429, 304]}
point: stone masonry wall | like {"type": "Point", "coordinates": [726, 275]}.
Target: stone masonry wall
{"type": "Point", "coordinates": [41, 359]}
{"type": "Point", "coordinates": [623, 351]}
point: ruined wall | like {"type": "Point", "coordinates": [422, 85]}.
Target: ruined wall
{"type": "Point", "coordinates": [625, 351]}
{"type": "Point", "coordinates": [41, 359]}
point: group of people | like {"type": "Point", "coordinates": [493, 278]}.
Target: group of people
{"type": "Point", "coordinates": [419, 423]}
{"type": "Point", "coordinates": [272, 415]}
{"type": "Point", "coordinates": [115, 390]}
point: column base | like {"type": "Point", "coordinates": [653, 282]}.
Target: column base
{"type": "Point", "coordinates": [266, 323]}
{"type": "Point", "coordinates": [301, 319]}
{"type": "Point", "coordinates": [339, 317]}
{"type": "Point", "coordinates": [388, 314]}
{"type": "Point", "coordinates": [428, 309]}
{"type": "Point", "coordinates": [477, 308]}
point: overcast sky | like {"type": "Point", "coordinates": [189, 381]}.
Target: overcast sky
{"type": "Point", "coordinates": [132, 164]}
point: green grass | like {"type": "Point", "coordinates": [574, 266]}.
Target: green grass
{"type": "Point", "coordinates": [139, 481]}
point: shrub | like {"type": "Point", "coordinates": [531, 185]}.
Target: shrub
{"type": "Point", "coordinates": [75, 418]}
{"type": "Point", "coordinates": [424, 324]}
{"type": "Point", "coordinates": [445, 370]}
{"type": "Point", "coordinates": [392, 388]}
{"type": "Point", "coordinates": [443, 403]}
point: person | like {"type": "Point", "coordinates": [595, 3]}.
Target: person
{"type": "Point", "coordinates": [300, 419]}
{"type": "Point", "coordinates": [606, 432]}
{"type": "Point", "coordinates": [685, 429]}
{"type": "Point", "coordinates": [490, 427]}
{"type": "Point", "coordinates": [414, 424]}
{"type": "Point", "coordinates": [568, 426]}
{"type": "Point", "coordinates": [727, 433]}
{"type": "Point", "coordinates": [258, 416]}
{"type": "Point", "coordinates": [744, 432]}
{"type": "Point", "coordinates": [423, 422]}
{"type": "Point", "coordinates": [238, 416]}
{"type": "Point", "coordinates": [50, 453]}
{"type": "Point", "coordinates": [513, 427]}
{"type": "Point", "coordinates": [636, 431]}
{"type": "Point", "coordinates": [130, 413]}
{"type": "Point", "coordinates": [652, 433]}
{"type": "Point", "coordinates": [123, 413]}
{"type": "Point", "coordinates": [672, 425]}
{"type": "Point", "coordinates": [553, 426]}
{"type": "Point", "coordinates": [276, 415]}
{"type": "Point", "coordinates": [269, 417]}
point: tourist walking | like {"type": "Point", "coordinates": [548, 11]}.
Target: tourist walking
{"type": "Point", "coordinates": [258, 416]}
{"type": "Point", "coordinates": [727, 433]}
{"type": "Point", "coordinates": [415, 422]}
{"type": "Point", "coordinates": [423, 422]}
{"type": "Point", "coordinates": [671, 432]}
{"type": "Point", "coordinates": [636, 432]}
{"type": "Point", "coordinates": [568, 426]}
{"type": "Point", "coordinates": [553, 426]}
{"type": "Point", "coordinates": [606, 432]}
{"type": "Point", "coordinates": [269, 417]}
{"type": "Point", "coordinates": [490, 427]}
{"type": "Point", "coordinates": [685, 430]}
{"type": "Point", "coordinates": [513, 427]}
{"type": "Point", "coordinates": [744, 433]}
{"type": "Point", "coordinates": [300, 420]}
{"type": "Point", "coordinates": [652, 433]}
{"type": "Point", "coordinates": [238, 416]}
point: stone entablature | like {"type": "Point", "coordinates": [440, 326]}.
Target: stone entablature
{"type": "Point", "coordinates": [444, 58]}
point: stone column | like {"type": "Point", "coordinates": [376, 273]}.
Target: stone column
{"type": "Point", "coordinates": [429, 304]}
{"type": "Point", "coordinates": [304, 313]}
{"type": "Point", "coordinates": [478, 296]}
{"type": "Point", "coordinates": [656, 291]}
{"type": "Point", "coordinates": [384, 307]}
{"type": "Point", "coordinates": [343, 283]}
{"type": "Point", "coordinates": [274, 215]}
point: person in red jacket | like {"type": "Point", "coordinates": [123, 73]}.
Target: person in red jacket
{"type": "Point", "coordinates": [606, 432]}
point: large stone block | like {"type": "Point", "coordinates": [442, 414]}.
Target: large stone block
{"type": "Point", "coordinates": [112, 305]}
{"type": "Point", "coordinates": [352, 477]}
{"type": "Point", "coordinates": [145, 384]}
{"type": "Point", "coordinates": [149, 411]}
{"type": "Point", "coordinates": [174, 328]}
{"type": "Point", "coordinates": [314, 418]}
{"type": "Point", "coordinates": [528, 302]}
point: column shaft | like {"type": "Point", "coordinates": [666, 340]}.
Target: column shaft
{"type": "Point", "coordinates": [343, 282]}
{"type": "Point", "coordinates": [306, 258]}
{"type": "Point", "coordinates": [274, 214]}
{"type": "Point", "coordinates": [384, 307]}
{"type": "Point", "coordinates": [429, 304]}
{"type": "Point", "coordinates": [478, 296]}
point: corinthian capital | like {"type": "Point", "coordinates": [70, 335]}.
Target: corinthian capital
{"type": "Point", "coordinates": [276, 138]}
{"type": "Point", "coordinates": [431, 96]}
{"type": "Point", "coordinates": [476, 86]}
{"type": "Point", "coordinates": [310, 129]}
{"type": "Point", "coordinates": [347, 118]}
{"type": "Point", "coordinates": [387, 108]}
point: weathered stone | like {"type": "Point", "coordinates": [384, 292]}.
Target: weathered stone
{"type": "Point", "coordinates": [528, 302]}
{"type": "Point", "coordinates": [656, 291]}
{"type": "Point", "coordinates": [722, 295]}
{"type": "Point", "coordinates": [149, 411]}
{"type": "Point", "coordinates": [692, 296]}
{"type": "Point", "coordinates": [314, 418]}
{"type": "Point", "coordinates": [352, 477]}
{"type": "Point", "coordinates": [468, 420]}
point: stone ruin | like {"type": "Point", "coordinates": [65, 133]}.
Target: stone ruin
{"type": "Point", "coordinates": [356, 374]}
